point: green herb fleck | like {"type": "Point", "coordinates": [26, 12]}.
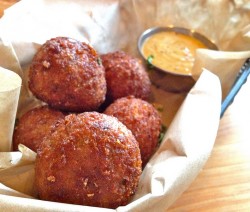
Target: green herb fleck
{"type": "Point", "coordinates": [149, 61]}
{"type": "Point", "coordinates": [162, 133]}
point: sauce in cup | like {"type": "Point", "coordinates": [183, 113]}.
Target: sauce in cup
{"type": "Point", "coordinates": [172, 51]}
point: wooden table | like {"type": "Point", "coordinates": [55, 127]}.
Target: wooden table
{"type": "Point", "coordinates": [224, 183]}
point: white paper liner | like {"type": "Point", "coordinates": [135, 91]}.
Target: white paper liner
{"type": "Point", "coordinates": [10, 84]}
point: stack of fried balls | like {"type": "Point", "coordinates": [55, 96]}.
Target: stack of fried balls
{"type": "Point", "coordinates": [95, 129]}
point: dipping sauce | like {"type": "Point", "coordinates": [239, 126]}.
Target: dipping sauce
{"type": "Point", "coordinates": [172, 51]}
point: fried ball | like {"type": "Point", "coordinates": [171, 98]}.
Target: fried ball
{"type": "Point", "coordinates": [67, 75]}
{"type": "Point", "coordinates": [90, 159]}
{"type": "Point", "coordinates": [142, 119]}
{"type": "Point", "coordinates": [34, 125]}
{"type": "Point", "coordinates": [125, 75]}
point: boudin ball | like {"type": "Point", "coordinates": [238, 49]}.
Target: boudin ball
{"type": "Point", "coordinates": [142, 119]}
{"type": "Point", "coordinates": [125, 76]}
{"type": "Point", "coordinates": [90, 159]}
{"type": "Point", "coordinates": [34, 126]}
{"type": "Point", "coordinates": [67, 75]}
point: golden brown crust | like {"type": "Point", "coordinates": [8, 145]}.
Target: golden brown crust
{"type": "Point", "coordinates": [91, 159]}
{"type": "Point", "coordinates": [125, 76]}
{"type": "Point", "coordinates": [65, 73]}
{"type": "Point", "coordinates": [34, 125]}
{"type": "Point", "coordinates": [142, 119]}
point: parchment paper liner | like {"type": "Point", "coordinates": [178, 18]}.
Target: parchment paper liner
{"type": "Point", "coordinates": [10, 84]}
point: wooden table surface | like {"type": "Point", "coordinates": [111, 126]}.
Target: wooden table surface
{"type": "Point", "coordinates": [224, 182]}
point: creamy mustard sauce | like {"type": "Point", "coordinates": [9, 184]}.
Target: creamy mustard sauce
{"type": "Point", "coordinates": [172, 51]}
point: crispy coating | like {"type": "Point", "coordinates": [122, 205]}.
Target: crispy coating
{"type": "Point", "coordinates": [34, 125]}
{"type": "Point", "coordinates": [90, 159]}
{"type": "Point", "coordinates": [125, 75]}
{"type": "Point", "coordinates": [142, 119]}
{"type": "Point", "coordinates": [66, 74]}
